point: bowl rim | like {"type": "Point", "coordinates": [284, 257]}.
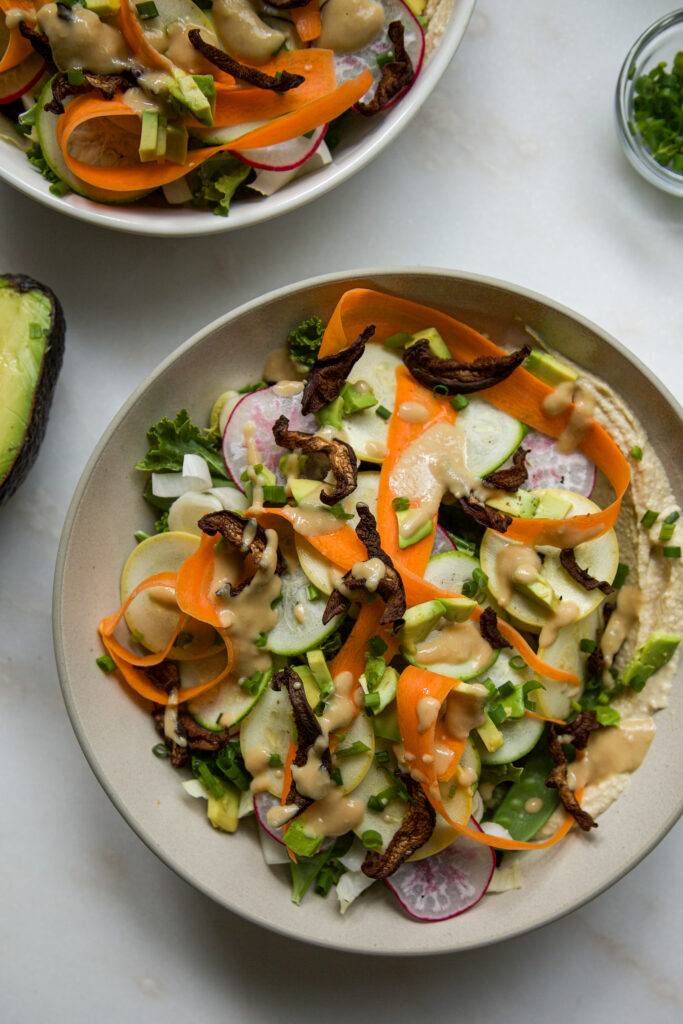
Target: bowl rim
{"type": "Point", "coordinates": [638, 155]}
{"type": "Point", "coordinates": [335, 278]}
{"type": "Point", "coordinates": [168, 222]}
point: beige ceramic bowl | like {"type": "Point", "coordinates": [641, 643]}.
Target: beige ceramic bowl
{"type": "Point", "coordinates": [117, 735]}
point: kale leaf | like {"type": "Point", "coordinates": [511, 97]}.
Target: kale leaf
{"type": "Point", "coordinates": [304, 341]}
{"type": "Point", "coordinates": [216, 181]}
{"type": "Point", "coordinates": [170, 440]}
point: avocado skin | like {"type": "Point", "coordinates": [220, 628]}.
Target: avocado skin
{"type": "Point", "coordinates": [44, 387]}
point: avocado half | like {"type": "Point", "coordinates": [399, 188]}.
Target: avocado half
{"type": "Point", "coordinates": [31, 351]}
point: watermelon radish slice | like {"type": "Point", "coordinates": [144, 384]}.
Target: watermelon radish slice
{"type": "Point", "coordinates": [285, 156]}
{"type": "Point", "coordinates": [18, 80]}
{"type": "Point", "coordinates": [262, 804]}
{"type": "Point", "coordinates": [447, 883]}
{"type": "Point", "coordinates": [349, 65]}
{"type": "Point", "coordinates": [261, 408]}
{"type": "Point", "coordinates": [549, 468]}
{"type": "Point", "coordinates": [442, 542]}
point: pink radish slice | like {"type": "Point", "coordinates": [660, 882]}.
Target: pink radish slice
{"type": "Point", "coordinates": [261, 408]}
{"type": "Point", "coordinates": [18, 80]}
{"type": "Point", "coordinates": [262, 804]}
{"type": "Point", "coordinates": [442, 542]}
{"type": "Point", "coordinates": [549, 468]}
{"type": "Point", "coordinates": [447, 883]}
{"type": "Point", "coordinates": [285, 156]}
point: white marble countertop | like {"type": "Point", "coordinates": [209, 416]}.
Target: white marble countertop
{"type": "Point", "coordinates": [512, 170]}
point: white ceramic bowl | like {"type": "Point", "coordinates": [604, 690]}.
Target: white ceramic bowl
{"type": "Point", "coordinates": [364, 139]}
{"type": "Point", "coordinates": [117, 734]}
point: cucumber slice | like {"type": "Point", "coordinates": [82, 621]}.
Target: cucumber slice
{"type": "Point", "coordinates": [451, 569]}
{"type": "Point", "coordinates": [365, 431]}
{"type": "Point", "coordinates": [299, 625]}
{"type": "Point", "coordinates": [555, 700]}
{"type": "Point", "coordinates": [225, 704]}
{"type": "Point", "coordinates": [520, 735]}
{"type": "Point", "coordinates": [501, 671]}
{"type": "Point", "coordinates": [354, 769]}
{"type": "Point", "coordinates": [46, 127]}
{"type": "Point", "coordinates": [385, 822]}
{"type": "Point", "coordinates": [491, 436]}
{"type": "Point", "coordinates": [267, 730]}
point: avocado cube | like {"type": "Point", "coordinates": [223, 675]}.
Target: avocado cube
{"type": "Point", "coordinates": [148, 136]}
{"type": "Point", "coordinates": [223, 811]}
{"type": "Point", "coordinates": [104, 8]}
{"type": "Point", "coordinates": [521, 503]}
{"type": "Point", "coordinates": [176, 143]}
{"type": "Point", "coordinates": [421, 619]}
{"type": "Point", "coordinates": [189, 96]}
{"type": "Point", "coordinates": [657, 650]}
{"type": "Point", "coordinates": [548, 369]}
{"type": "Point", "coordinates": [355, 401]}
{"type": "Point", "coordinates": [490, 735]}
{"type": "Point", "coordinates": [331, 415]}
{"type": "Point", "coordinates": [417, 535]}
{"type": "Point", "coordinates": [551, 506]}
{"type": "Point", "coordinates": [540, 591]}
{"type": "Point", "coordinates": [301, 488]}
{"type": "Point", "coordinates": [161, 140]}
{"type": "Point", "coordinates": [436, 343]}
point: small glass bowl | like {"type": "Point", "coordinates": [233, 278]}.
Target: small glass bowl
{"type": "Point", "coordinates": [660, 42]}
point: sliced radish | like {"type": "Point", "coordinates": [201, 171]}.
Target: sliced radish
{"type": "Point", "coordinates": [447, 883]}
{"type": "Point", "coordinates": [442, 542]}
{"type": "Point", "coordinates": [285, 156]}
{"type": "Point", "coordinates": [549, 468]}
{"type": "Point", "coordinates": [261, 408]}
{"type": "Point", "coordinates": [18, 80]}
{"type": "Point", "coordinates": [348, 65]}
{"type": "Point", "coordinates": [262, 804]}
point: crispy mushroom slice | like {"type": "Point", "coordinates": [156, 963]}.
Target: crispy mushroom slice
{"type": "Point", "coordinates": [578, 730]}
{"type": "Point", "coordinates": [396, 74]}
{"type": "Point", "coordinates": [325, 380]}
{"type": "Point", "coordinates": [243, 534]}
{"type": "Point", "coordinates": [106, 84]}
{"type": "Point", "coordinates": [509, 479]}
{"type": "Point", "coordinates": [167, 677]}
{"type": "Point", "coordinates": [343, 461]}
{"type": "Point", "coordinates": [484, 514]}
{"type": "Point", "coordinates": [308, 731]}
{"type": "Point", "coordinates": [287, 5]}
{"type": "Point", "coordinates": [413, 833]}
{"type": "Point", "coordinates": [488, 625]}
{"type": "Point", "coordinates": [283, 81]}
{"type": "Point", "coordinates": [39, 42]}
{"type": "Point", "coordinates": [460, 378]}
{"type": "Point", "coordinates": [582, 576]}
{"type": "Point", "coordinates": [596, 663]}
{"type": "Point", "coordinates": [390, 588]}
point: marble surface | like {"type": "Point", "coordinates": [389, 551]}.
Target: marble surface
{"type": "Point", "coordinates": [513, 170]}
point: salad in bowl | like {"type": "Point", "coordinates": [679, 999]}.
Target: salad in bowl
{"type": "Point", "coordinates": [183, 106]}
{"type": "Point", "coordinates": [409, 605]}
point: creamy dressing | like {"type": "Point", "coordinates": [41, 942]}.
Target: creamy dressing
{"type": "Point", "coordinates": [335, 814]}
{"type": "Point", "coordinates": [82, 41]}
{"type": "Point", "coordinates": [566, 613]}
{"type": "Point", "coordinates": [253, 459]}
{"type": "Point", "coordinates": [171, 720]}
{"type": "Point", "coordinates": [244, 36]}
{"type": "Point", "coordinates": [427, 713]}
{"type": "Point", "coordinates": [349, 25]}
{"type": "Point", "coordinates": [458, 642]}
{"type": "Point", "coordinates": [432, 465]}
{"type": "Point", "coordinates": [299, 612]}
{"type": "Point", "coordinates": [310, 520]}
{"type": "Point", "coordinates": [376, 450]}
{"type": "Point", "coordinates": [465, 711]}
{"type": "Point", "coordinates": [621, 621]}
{"type": "Point", "coordinates": [371, 572]}
{"type": "Point", "coordinates": [569, 396]}
{"type": "Point", "coordinates": [613, 751]}
{"type": "Point", "coordinates": [533, 805]}
{"type": "Point", "coordinates": [178, 48]}
{"type": "Point", "coordinates": [287, 388]}
{"type": "Point", "coordinates": [279, 816]}
{"type": "Point", "coordinates": [515, 563]}
{"type": "Point", "coordinates": [565, 534]}
{"type": "Point", "coordinates": [312, 779]}
{"type": "Point", "coordinates": [413, 412]}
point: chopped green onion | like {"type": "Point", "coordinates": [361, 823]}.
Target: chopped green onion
{"type": "Point", "coordinates": [637, 683]}
{"type": "Point", "coordinates": [667, 531]}
{"type": "Point", "coordinates": [371, 839]}
{"type": "Point", "coordinates": [336, 777]}
{"type": "Point", "coordinates": [337, 511]}
{"type": "Point", "coordinates": [400, 504]}
{"type": "Point", "coordinates": [671, 552]}
{"type": "Point", "coordinates": [261, 640]}
{"type": "Point", "coordinates": [140, 535]}
{"type": "Point", "coordinates": [440, 391]}
{"type": "Point", "coordinates": [459, 402]}
{"type": "Point", "coordinates": [470, 588]}
{"type": "Point", "coordinates": [399, 340]}
{"type": "Point", "coordinates": [276, 601]}
{"type": "Point", "coordinates": [161, 750]}
{"type": "Point", "coordinates": [607, 716]}
{"type": "Point", "coordinates": [275, 494]}
{"type": "Point", "coordinates": [517, 663]}
{"type": "Point", "coordinates": [204, 5]}
{"type": "Point", "coordinates": [251, 684]}
{"type": "Point", "coordinates": [312, 592]}
{"type": "Point", "coordinates": [230, 763]}
{"type": "Point", "coordinates": [75, 76]}
{"type": "Point", "coordinates": [136, 636]}
{"type": "Point", "coordinates": [319, 708]}
{"type": "Point", "coordinates": [383, 412]}
{"type": "Point", "coordinates": [376, 646]}
{"type": "Point", "coordinates": [382, 757]}
{"type": "Point", "coordinates": [356, 748]}
{"type": "Point", "coordinates": [371, 701]}
{"type": "Point", "coordinates": [649, 519]}
{"type": "Point", "coordinates": [274, 761]}
{"type": "Point", "coordinates": [603, 698]}
{"type": "Point", "coordinates": [106, 663]}
{"type": "Point", "coordinates": [497, 714]}
{"type": "Point", "coordinates": [636, 452]}
{"type": "Point", "coordinates": [587, 646]}
{"type": "Point", "coordinates": [147, 10]}
{"type": "Point", "coordinates": [673, 517]}
{"type": "Point", "coordinates": [385, 57]}
{"type": "Point", "coordinates": [490, 687]}
{"type": "Point", "coordinates": [620, 575]}
{"type": "Point", "coordinates": [506, 689]}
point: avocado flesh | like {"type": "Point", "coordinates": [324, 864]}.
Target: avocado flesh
{"type": "Point", "coordinates": [31, 349]}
